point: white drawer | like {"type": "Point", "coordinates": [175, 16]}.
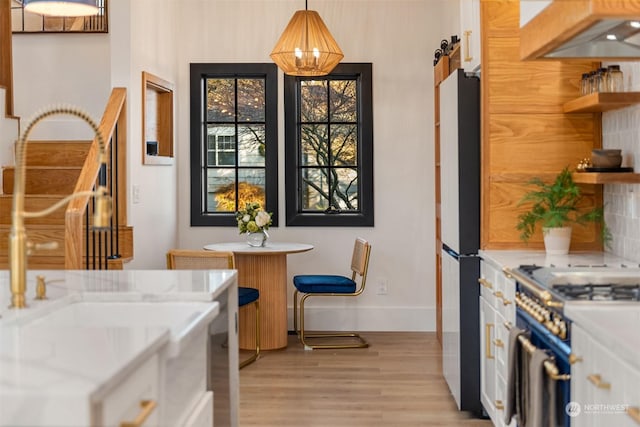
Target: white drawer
{"type": "Point", "coordinates": [202, 415]}
{"type": "Point", "coordinates": [125, 402]}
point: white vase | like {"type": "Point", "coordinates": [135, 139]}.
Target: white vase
{"type": "Point", "coordinates": [257, 239]}
{"type": "Point", "coordinates": [557, 240]}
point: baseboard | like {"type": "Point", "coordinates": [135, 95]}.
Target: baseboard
{"type": "Point", "coordinates": [391, 319]}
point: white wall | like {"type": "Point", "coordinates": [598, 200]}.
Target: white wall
{"type": "Point", "coordinates": [164, 36]}
{"type": "Point", "coordinates": [620, 129]}
{"type": "Point", "coordinates": [398, 37]}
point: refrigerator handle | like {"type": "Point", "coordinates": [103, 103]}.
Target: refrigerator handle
{"type": "Point", "coordinates": [450, 251]}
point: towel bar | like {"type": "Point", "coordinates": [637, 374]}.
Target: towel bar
{"type": "Point", "coordinates": [549, 365]}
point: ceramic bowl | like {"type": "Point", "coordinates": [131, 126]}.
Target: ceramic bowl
{"type": "Point", "coordinates": [603, 158]}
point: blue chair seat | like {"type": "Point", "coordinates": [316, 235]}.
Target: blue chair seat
{"type": "Point", "coordinates": [247, 295]}
{"type": "Point", "coordinates": [324, 283]}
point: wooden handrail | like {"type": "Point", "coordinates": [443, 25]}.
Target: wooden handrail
{"type": "Point", "coordinates": [113, 124]}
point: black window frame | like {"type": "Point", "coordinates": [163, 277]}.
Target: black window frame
{"type": "Point", "coordinates": [364, 217]}
{"type": "Point", "coordinates": [198, 142]}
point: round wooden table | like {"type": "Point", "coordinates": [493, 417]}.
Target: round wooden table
{"type": "Point", "coordinates": [263, 268]}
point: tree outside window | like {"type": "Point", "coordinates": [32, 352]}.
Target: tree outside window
{"type": "Point", "coordinates": [329, 145]}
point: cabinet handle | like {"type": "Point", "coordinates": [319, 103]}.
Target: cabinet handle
{"type": "Point", "coordinates": [146, 408]}
{"type": "Point", "coordinates": [596, 380]}
{"type": "Point", "coordinates": [506, 301]}
{"type": "Point", "coordinates": [498, 343]}
{"type": "Point", "coordinates": [498, 294]}
{"type": "Point", "coordinates": [573, 359]}
{"type": "Point", "coordinates": [634, 413]}
{"type": "Point", "coordinates": [485, 283]}
{"type": "Point", "coordinates": [467, 49]}
{"type": "Point", "coordinates": [499, 405]}
{"type": "Point", "coordinates": [487, 333]}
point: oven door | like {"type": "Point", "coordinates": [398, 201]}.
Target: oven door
{"type": "Point", "coordinates": [543, 339]}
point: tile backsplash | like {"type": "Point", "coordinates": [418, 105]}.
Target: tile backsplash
{"type": "Point", "coordinates": [621, 129]}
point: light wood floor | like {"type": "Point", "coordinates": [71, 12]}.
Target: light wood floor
{"type": "Point", "coordinates": [397, 381]}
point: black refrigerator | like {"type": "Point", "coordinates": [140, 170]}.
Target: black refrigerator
{"type": "Point", "coordinates": [460, 216]}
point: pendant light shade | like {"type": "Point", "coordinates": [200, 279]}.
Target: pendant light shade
{"type": "Point", "coordinates": [306, 47]}
{"type": "Point", "coordinates": [61, 7]}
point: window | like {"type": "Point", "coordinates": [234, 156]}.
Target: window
{"type": "Point", "coordinates": [234, 140]}
{"type": "Point", "coordinates": [329, 148]}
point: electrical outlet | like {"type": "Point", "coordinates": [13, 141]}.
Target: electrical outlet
{"type": "Point", "coordinates": [383, 287]}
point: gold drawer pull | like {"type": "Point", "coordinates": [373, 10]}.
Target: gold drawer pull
{"type": "Point", "coordinates": [487, 331]}
{"type": "Point", "coordinates": [506, 301]}
{"type": "Point", "coordinates": [499, 405]}
{"type": "Point", "coordinates": [147, 407]}
{"type": "Point", "coordinates": [498, 343]}
{"type": "Point", "coordinates": [573, 359]}
{"type": "Point", "coordinates": [467, 50]}
{"type": "Point", "coordinates": [498, 294]}
{"type": "Point", "coordinates": [596, 380]}
{"type": "Point", "coordinates": [634, 413]}
{"type": "Point", "coordinates": [485, 283]}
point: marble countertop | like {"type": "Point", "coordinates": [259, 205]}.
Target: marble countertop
{"type": "Point", "coordinates": [514, 259]}
{"type": "Point", "coordinates": [51, 367]}
{"type": "Point", "coordinates": [615, 327]}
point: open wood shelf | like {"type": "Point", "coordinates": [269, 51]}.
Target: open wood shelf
{"type": "Point", "coordinates": [601, 101]}
{"type": "Point", "coordinates": [606, 177]}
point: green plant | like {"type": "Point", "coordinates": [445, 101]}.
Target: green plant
{"type": "Point", "coordinates": [556, 205]}
{"type": "Point", "coordinates": [253, 219]}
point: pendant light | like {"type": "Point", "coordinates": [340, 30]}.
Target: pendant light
{"type": "Point", "coordinates": [306, 47]}
{"type": "Point", "coordinates": [61, 7]}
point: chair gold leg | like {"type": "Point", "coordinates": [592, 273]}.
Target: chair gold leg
{"type": "Point", "coordinates": [255, 355]}
{"type": "Point", "coordinates": [295, 312]}
{"type": "Point", "coordinates": [360, 342]}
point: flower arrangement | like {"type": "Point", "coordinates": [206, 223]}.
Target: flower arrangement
{"type": "Point", "coordinates": [252, 219]}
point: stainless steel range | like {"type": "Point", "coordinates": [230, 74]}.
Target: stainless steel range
{"type": "Point", "coordinates": [541, 295]}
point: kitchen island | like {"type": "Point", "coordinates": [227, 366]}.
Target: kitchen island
{"type": "Point", "coordinates": [110, 347]}
{"type": "Point", "coordinates": [599, 331]}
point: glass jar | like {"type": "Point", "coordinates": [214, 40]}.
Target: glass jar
{"type": "Point", "coordinates": [585, 85]}
{"type": "Point", "coordinates": [592, 82]}
{"type": "Point", "coordinates": [615, 80]}
{"type": "Point", "coordinates": [603, 80]}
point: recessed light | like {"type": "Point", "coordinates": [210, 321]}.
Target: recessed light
{"type": "Point", "coordinates": [611, 37]}
{"type": "Point", "coordinates": [634, 24]}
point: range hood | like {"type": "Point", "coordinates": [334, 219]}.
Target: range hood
{"type": "Point", "coordinates": [583, 29]}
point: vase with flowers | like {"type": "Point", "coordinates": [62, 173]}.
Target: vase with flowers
{"type": "Point", "coordinates": [254, 222]}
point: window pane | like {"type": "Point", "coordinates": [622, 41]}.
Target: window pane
{"type": "Point", "coordinates": [314, 145]}
{"type": "Point", "coordinates": [344, 194]}
{"type": "Point", "coordinates": [344, 145]}
{"type": "Point", "coordinates": [221, 97]}
{"type": "Point", "coordinates": [315, 188]}
{"type": "Point", "coordinates": [251, 186]}
{"type": "Point", "coordinates": [221, 190]}
{"type": "Point", "coordinates": [313, 101]}
{"type": "Point", "coordinates": [343, 101]}
{"type": "Point", "coordinates": [251, 107]}
{"type": "Point", "coordinates": [221, 145]}
{"type": "Point", "coordinates": [251, 150]}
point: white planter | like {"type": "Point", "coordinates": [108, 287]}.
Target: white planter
{"type": "Point", "coordinates": [557, 240]}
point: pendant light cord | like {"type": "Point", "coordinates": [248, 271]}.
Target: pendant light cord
{"type": "Point", "coordinates": [305, 5]}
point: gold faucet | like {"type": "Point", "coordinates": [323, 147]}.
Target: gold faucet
{"type": "Point", "coordinates": [18, 245]}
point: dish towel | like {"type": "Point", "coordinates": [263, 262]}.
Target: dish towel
{"type": "Point", "coordinates": [541, 403]}
{"type": "Point", "coordinates": [513, 373]}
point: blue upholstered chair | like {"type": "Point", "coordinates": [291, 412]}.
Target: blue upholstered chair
{"type": "Point", "coordinates": [186, 259]}
{"type": "Point", "coordinates": [323, 285]}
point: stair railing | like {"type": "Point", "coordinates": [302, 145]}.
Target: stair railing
{"type": "Point", "coordinates": [98, 247]}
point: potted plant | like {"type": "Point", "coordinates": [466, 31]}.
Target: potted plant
{"type": "Point", "coordinates": [555, 207]}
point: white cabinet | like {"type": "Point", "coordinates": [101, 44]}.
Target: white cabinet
{"type": "Point", "coordinates": [496, 312]}
{"type": "Point", "coordinates": [134, 398]}
{"type": "Point", "coordinates": [604, 387]}
{"type": "Point", "coordinates": [470, 40]}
